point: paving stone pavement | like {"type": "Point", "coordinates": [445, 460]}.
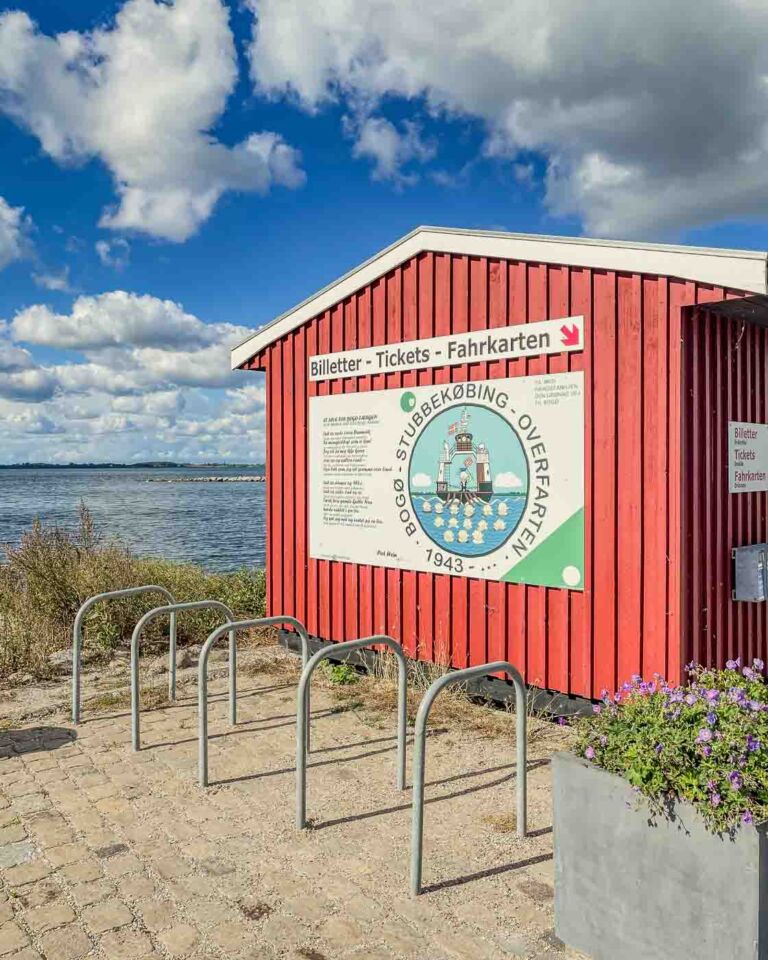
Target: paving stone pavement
{"type": "Point", "coordinates": [106, 853]}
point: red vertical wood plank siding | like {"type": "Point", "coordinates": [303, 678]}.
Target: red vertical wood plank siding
{"type": "Point", "coordinates": [425, 319]}
{"type": "Point", "coordinates": [352, 628]}
{"type": "Point", "coordinates": [268, 492]}
{"type": "Point", "coordinates": [680, 294]}
{"type": "Point", "coordinates": [604, 485]}
{"type": "Point", "coordinates": [276, 485]}
{"type": "Point", "coordinates": [409, 306]}
{"type": "Point", "coordinates": [379, 327]}
{"type": "Point", "coordinates": [517, 594]}
{"type": "Point", "coordinates": [312, 622]}
{"type": "Point", "coordinates": [655, 455]}
{"type": "Point", "coordinates": [558, 610]}
{"type": "Point", "coordinates": [723, 380]}
{"type": "Point", "coordinates": [288, 466]}
{"type": "Point", "coordinates": [662, 379]}
{"type": "Point", "coordinates": [497, 592]}
{"type": "Point", "coordinates": [441, 652]}
{"type": "Point", "coordinates": [324, 567]}
{"type": "Point", "coordinates": [336, 597]}
{"type": "Point", "coordinates": [477, 640]}
{"type": "Point", "coordinates": [365, 573]}
{"type": "Point", "coordinates": [537, 653]}
{"type": "Point", "coordinates": [581, 603]}
{"type": "Point", "coordinates": [460, 585]}
{"type": "Point", "coordinates": [629, 528]}
{"type": "Point", "coordinates": [394, 322]}
{"type": "Point", "coordinates": [300, 472]}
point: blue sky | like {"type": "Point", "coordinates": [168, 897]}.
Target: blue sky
{"type": "Point", "coordinates": [176, 173]}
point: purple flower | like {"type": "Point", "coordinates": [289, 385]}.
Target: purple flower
{"type": "Point", "coordinates": [597, 708]}
{"type": "Point", "coordinates": [750, 674]}
{"type": "Point", "coordinates": [691, 667]}
{"type": "Point", "coordinates": [706, 750]}
{"type": "Point", "coordinates": [659, 747]}
{"type": "Point", "coordinates": [705, 735]}
{"type": "Point", "coordinates": [711, 718]}
{"type": "Point", "coordinates": [562, 721]}
{"type": "Point", "coordinates": [589, 753]}
{"type": "Point", "coordinates": [733, 664]}
{"type": "Point", "coordinates": [713, 695]}
{"type": "Point", "coordinates": [753, 744]}
{"type": "Point", "coordinates": [690, 699]}
{"type": "Point", "coordinates": [735, 780]}
{"type": "Point", "coordinates": [715, 799]}
{"type": "Point", "coordinates": [747, 818]}
{"type": "Point", "coordinates": [755, 706]}
{"type": "Point", "coordinates": [758, 664]}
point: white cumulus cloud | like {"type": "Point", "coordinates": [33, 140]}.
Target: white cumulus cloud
{"type": "Point", "coordinates": [507, 480]}
{"type": "Point", "coordinates": [58, 282]}
{"type": "Point", "coordinates": [421, 480]}
{"type": "Point", "coordinates": [390, 149]}
{"type": "Point", "coordinates": [14, 227]}
{"type": "Point", "coordinates": [142, 95]}
{"type": "Point", "coordinates": [113, 253]}
{"type": "Point", "coordinates": [650, 117]}
{"type": "Point", "coordinates": [136, 378]}
{"type": "Point", "coordinates": [111, 319]}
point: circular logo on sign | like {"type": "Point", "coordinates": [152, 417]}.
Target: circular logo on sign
{"type": "Point", "coordinates": [468, 480]}
{"type": "Point", "coordinates": [407, 402]}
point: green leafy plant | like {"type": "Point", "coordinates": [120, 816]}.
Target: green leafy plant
{"type": "Point", "coordinates": [340, 673]}
{"type": "Point", "coordinates": [705, 742]}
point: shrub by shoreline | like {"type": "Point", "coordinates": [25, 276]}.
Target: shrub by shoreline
{"type": "Point", "coordinates": [47, 576]}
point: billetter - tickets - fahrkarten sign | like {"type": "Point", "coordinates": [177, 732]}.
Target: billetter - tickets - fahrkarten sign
{"type": "Point", "coordinates": [481, 479]}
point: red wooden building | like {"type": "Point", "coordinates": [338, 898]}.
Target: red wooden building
{"type": "Point", "coordinates": [674, 349]}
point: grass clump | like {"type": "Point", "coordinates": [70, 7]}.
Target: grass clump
{"type": "Point", "coordinates": [705, 742]}
{"type": "Point", "coordinates": [341, 674]}
{"type": "Point", "coordinates": [48, 575]}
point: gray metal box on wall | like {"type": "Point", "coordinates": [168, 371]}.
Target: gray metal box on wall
{"type": "Point", "coordinates": [750, 572]}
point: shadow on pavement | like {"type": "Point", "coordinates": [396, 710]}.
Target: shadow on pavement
{"type": "Point", "coordinates": [36, 739]}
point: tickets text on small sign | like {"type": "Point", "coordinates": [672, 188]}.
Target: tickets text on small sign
{"type": "Point", "coordinates": [747, 457]}
{"type": "Point", "coordinates": [478, 346]}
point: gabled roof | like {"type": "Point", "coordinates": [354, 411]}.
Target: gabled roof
{"type": "Point", "coordinates": [735, 269]}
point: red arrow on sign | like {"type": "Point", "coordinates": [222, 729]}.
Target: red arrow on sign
{"type": "Point", "coordinates": [570, 336]}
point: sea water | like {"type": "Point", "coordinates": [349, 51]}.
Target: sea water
{"type": "Point", "coordinates": [221, 526]}
{"type": "Point", "coordinates": [470, 530]}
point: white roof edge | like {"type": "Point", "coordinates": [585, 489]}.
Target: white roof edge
{"type": "Point", "coordinates": [735, 269]}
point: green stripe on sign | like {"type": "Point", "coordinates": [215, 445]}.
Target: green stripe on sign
{"type": "Point", "coordinates": [558, 561]}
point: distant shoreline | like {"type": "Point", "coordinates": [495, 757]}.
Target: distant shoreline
{"type": "Point", "coordinates": [144, 465]}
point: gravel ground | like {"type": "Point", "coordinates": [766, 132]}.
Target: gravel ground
{"type": "Point", "coordinates": [110, 854]}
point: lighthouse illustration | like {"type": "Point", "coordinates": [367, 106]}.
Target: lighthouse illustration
{"type": "Point", "coordinates": [464, 467]}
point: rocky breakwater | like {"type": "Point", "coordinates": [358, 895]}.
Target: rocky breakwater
{"type": "Point", "coordinates": [246, 478]}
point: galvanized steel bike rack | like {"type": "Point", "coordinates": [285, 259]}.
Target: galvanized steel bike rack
{"type": "Point", "coordinates": [202, 671]}
{"type": "Point", "coordinates": [302, 713]}
{"type": "Point", "coordinates": [172, 609]}
{"type": "Point", "coordinates": [417, 819]}
{"type": "Point", "coordinates": [77, 639]}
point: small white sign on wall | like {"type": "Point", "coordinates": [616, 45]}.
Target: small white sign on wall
{"type": "Point", "coordinates": [747, 457]}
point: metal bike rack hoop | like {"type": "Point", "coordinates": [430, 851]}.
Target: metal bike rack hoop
{"type": "Point", "coordinates": [302, 712]}
{"type": "Point", "coordinates": [202, 673]}
{"type": "Point", "coordinates": [457, 676]}
{"type": "Point", "coordinates": [77, 639]}
{"type": "Point", "coordinates": [172, 609]}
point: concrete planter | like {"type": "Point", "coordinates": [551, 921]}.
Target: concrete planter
{"type": "Point", "coordinates": [632, 886]}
